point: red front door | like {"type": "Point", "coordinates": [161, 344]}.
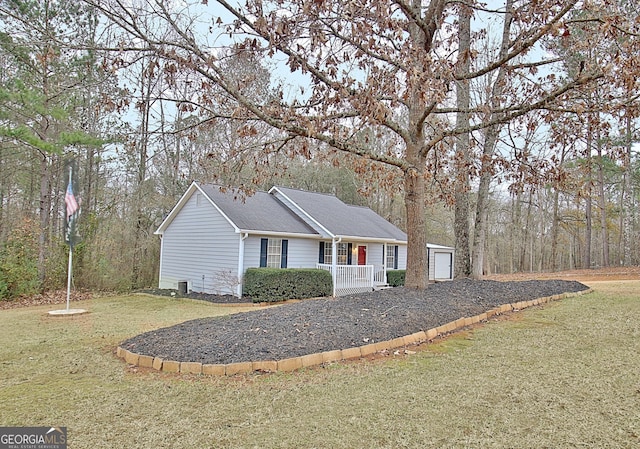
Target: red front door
{"type": "Point", "coordinates": [362, 255]}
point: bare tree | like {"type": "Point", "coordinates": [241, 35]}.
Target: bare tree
{"type": "Point", "coordinates": [383, 65]}
{"type": "Point", "coordinates": [491, 133]}
{"type": "Point", "coordinates": [462, 146]}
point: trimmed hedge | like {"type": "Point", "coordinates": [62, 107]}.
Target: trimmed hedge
{"type": "Point", "coordinates": [395, 278]}
{"type": "Point", "coordinates": [280, 284]}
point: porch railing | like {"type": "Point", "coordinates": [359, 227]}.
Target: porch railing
{"type": "Point", "coordinates": [350, 279]}
{"type": "Point", "coordinates": [379, 278]}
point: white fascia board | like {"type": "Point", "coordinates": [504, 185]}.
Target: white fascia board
{"type": "Point", "coordinates": [280, 234]}
{"type": "Point", "coordinates": [351, 238]}
{"type": "Point", "coordinates": [433, 246]}
{"type": "Point", "coordinates": [301, 212]}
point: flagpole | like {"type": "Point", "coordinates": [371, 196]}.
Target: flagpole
{"type": "Point", "coordinates": [69, 275]}
{"type": "Point", "coordinates": [72, 209]}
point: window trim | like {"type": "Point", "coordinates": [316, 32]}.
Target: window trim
{"type": "Point", "coordinates": [391, 253]}
{"type": "Point", "coordinates": [344, 252]}
{"type": "Point", "coordinates": [271, 259]}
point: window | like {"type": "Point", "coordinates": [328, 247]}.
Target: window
{"type": "Point", "coordinates": [326, 253]}
{"type": "Point", "coordinates": [392, 257]}
{"type": "Point", "coordinates": [273, 253]}
{"type": "Point", "coordinates": [343, 253]}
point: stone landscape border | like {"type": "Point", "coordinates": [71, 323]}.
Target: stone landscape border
{"type": "Point", "coordinates": [295, 363]}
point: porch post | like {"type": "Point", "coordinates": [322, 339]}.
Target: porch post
{"type": "Point", "coordinates": [240, 273]}
{"type": "Point", "coordinates": [384, 263]}
{"type": "Point", "coordinates": [334, 264]}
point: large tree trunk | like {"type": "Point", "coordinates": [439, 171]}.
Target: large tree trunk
{"type": "Point", "coordinates": [414, 199]}
{"type": "Point", "coordinates": [416, 157]}
{"type": "Point", "coordinates": [462, 267]}
{"type": "Point", "coordinates": [463, 159]}
{"type": "Point", "coordinates": [480, 229]}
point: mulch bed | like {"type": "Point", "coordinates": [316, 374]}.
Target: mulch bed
{"type": "Point", "coordinates": [313, 326]}
{"type": "Point", "coordinates": [216, 299]}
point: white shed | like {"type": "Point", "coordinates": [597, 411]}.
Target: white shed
{"type": "Point", "coordinates": [441, 260]}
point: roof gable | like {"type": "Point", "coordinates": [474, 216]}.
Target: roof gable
{"type": "Point", "coordinates": [259, 212]}
{"type": "Point", "coordinates": [341, 219]}
{"type": "Point", "coordinates": [290, 211]}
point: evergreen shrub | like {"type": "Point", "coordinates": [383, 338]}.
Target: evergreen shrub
{"type": "Point", "coordinates": [280, 284]}
{"type": "Point", "coordinates": [395, 278]}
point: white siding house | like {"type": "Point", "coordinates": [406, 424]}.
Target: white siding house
{"type": "Point", "coordinates": [212, 236]}
{"type": "Point", "coordinates": [199, 247]}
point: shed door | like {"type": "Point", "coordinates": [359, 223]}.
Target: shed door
{"type": "Point", "coordinates": [442, 265]}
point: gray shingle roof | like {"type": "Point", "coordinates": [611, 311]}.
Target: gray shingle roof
{"type": "Point", "coordinates": [259, 212]}
{"type": "Point", "coordinates": [343, 219]}
{"type": "Point", "coordinates": [264, 212]}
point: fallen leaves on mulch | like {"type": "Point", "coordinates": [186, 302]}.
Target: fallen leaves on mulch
{"type": "Point", "coordinates": [586, 274]}
{"type": "Point", "coordinates": [46, 298]}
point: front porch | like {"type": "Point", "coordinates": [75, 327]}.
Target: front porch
{"type": "Point", "coordinates": [350, 279]}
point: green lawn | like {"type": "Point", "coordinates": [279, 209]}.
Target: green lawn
{"type": "Point", "coordinates": [566, 375]}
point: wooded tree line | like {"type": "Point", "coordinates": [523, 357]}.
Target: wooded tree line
{"type": "Point", "coordinates": [506, 129]}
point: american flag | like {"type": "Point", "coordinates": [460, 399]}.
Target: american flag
{"type": "Point", "coordinates": [70, 201]}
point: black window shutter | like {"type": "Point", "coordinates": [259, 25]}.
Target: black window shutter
{"type": "Point", "coordinates": [263, 252]}
{"type": "Point", "coordinates": [321, 253]}
{"type": "Point", "coordinates": [283, 254]}
{"type": "Point", "coordinates": [349, 250]}
{"type": "Point", "coordinates": [395, 257]}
